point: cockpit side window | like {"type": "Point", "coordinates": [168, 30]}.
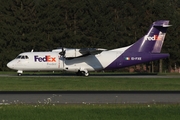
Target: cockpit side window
{"type": "Point", "coordinates": [26, 57]}
{"type": "Point", "coordinates": [18, 57]}
{"type": "Point", "coordinates": [23, 57]}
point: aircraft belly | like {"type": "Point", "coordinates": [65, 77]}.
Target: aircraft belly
{"type": "Point", "coordinates": [44, 66]}
{"type": "Point", "coordinates": [89, 63]}
{"type": "Point", "coordinates": [39, 66]}
{"type": "Point", "coordinates": [107, 58]}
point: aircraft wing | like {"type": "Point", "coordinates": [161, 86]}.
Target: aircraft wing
{"type": "Point", "coordinates": [71, 53]}
{"type": "Point", "coordinates": [86, 51]}
{"type": "Point", "coordinates": [91, 51]}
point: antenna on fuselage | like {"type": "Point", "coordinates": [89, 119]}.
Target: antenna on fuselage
{"type": "Point", "coordinates": [32, 50]}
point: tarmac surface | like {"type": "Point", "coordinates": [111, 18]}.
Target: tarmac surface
{"type": "Point", "coordinates": [90, 97]}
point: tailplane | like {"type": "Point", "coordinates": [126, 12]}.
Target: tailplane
{"type": "Point", "coordinates": [152, 42]}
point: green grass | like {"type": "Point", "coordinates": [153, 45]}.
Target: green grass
{"type": "Point", "coordinates": [90, 112]}
{"type": "Point", "coordinates": [87, 83]}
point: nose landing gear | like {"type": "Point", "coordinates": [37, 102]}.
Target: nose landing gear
{"type": "Point", "coordinates": [19, 72]}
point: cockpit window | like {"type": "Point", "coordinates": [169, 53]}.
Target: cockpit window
{"type": "Point", "coordinates": [18, 57]}
{"type": "Point", "coordinates": [26, 57]}
{"type": "Point", "coordinates": [22, 57]}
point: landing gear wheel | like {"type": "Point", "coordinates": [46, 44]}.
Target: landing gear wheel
{"type": "Point", "coordinates": [86, 74]}
{"type": "Point", "coordinates": [19, 74]}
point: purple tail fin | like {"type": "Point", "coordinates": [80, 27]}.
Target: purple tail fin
{"type": "Point", "coordinates": [152, 42]}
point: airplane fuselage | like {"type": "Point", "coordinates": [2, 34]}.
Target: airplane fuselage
{"type": "Point", "coordinates": [52, 61]}
{"type": "Point", "coordinates": [45, 61]}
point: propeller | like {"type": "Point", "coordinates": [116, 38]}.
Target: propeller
{"type": "Point", "coordinates": [63, 52]}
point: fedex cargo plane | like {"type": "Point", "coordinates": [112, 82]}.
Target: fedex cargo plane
{"type": "Point", "coordinates": [81, 61]}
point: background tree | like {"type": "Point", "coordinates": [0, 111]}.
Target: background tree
{"type": "Point", "coordinates": [43, 25]}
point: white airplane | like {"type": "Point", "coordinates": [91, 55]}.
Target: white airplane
{"type": "Point", "coordinates": [82, 61]}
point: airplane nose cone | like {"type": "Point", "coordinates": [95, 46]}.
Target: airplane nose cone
{"type": "Point", "coordinates": [10, 65]}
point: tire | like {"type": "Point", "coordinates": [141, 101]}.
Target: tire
{"type": "Point", "coordinates": [19, 74]}
{"type": "Point", "coordinates": [86, 74]}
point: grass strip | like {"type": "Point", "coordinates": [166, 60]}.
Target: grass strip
{"type": "Point", "coordinates": [87, 83]}
{"type": "Point", "coordinates": [90, 112]}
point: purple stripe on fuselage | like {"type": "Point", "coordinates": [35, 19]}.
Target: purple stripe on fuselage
{"type": "Point", "coordinates": [133, 59]}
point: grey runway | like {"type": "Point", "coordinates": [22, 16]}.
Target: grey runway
{"type": "Point", "coordinates": [94, 97]}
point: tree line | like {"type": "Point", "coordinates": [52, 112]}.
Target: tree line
{"type": "Point", "coordinates": [44, 25]}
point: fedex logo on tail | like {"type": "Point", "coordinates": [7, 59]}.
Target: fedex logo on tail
{"type": "Point", "coordinates": [46, 58]}
{"type": "Point", "coordinates": [155, 37]}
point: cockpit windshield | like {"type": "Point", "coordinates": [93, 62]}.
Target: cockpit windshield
{"type": "Point", "coordinates": [18, 57]}
{"type": "Point", "coordinates": [22, 57]}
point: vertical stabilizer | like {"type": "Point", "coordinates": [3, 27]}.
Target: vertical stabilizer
{"type": "Point", "coordinates": [152, 42]}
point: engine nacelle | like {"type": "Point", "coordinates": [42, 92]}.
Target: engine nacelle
{"type": "Point", "coordinates": [74, 52]}
{"type": "Point", "coordinates": [69, 52]}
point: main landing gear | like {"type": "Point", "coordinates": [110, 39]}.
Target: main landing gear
{"type": "Point", "coordinates": [82, 73]}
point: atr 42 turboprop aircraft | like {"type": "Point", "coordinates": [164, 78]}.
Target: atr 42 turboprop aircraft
{"type": "Point", "coordinates": [82, 61]}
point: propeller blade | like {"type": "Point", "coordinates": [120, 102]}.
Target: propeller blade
{"type": "Point", "coordinates": [63, 52]}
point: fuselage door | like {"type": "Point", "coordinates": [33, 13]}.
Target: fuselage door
{"type": "Point", "coordinates": [61, 62]}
